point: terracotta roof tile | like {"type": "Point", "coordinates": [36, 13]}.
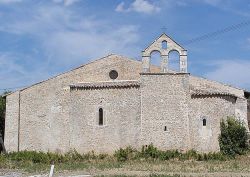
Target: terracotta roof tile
{"type": "Point", "coordinates": [107, 84]}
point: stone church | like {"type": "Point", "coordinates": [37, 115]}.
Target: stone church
{"type": "Point", "coordinates": [116, 101]}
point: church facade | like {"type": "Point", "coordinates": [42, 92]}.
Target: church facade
{"type": "Point", "coordinates": [117, 102]}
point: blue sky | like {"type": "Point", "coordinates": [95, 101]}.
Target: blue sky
{"type": "Point", "coordinates": [42, 38]}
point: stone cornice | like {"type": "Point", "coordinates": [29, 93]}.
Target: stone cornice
{"type": "Point", "coordinates": [170, 73]}
{"type": "Point", "coordinates": [211, 93]}
{"type": "Point", "coordinates": [106, 84]}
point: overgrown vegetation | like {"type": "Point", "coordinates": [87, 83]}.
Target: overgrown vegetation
{"type": "Point", "coordinates": [147, 159]}
{"type": "Point", "coordinates": [49, 158]}
{"type": "Point", "coordinates": [152, 153]}
{"type": "Point", "coordinates": [147, 153]}
{"type": "Point", "coordinates": [233, 138]}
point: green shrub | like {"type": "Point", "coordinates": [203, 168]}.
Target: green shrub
{"type": "Point", "coordinates": [169, 154]}
{"type": "Point", "coordinates": [233, 137]}
{"type": "Point", "coordinates": [102, 156]}
{"type": "Point", "coordinates": [32, 156]}
{"type": "Point", "coordinates": [125, 154]}
{"type": "Point", "coordinates": [150, 151]}
{"type": "Point", "coordinates": [191, 154]}
{"type": "Point", "coordinates": [73, 156]}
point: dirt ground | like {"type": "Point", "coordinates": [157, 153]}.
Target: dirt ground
{"type": "Point", "coordinates": [118, 172]}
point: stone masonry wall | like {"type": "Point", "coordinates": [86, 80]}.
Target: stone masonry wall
{"type": "Point", "coordinates": [11, 122]}
{"type": "Point", "coordinates": [44, 120]}
{"type": "Point", "coordinates": [241, 111]}
{"type": "Point", "coordinates": [121, 107]}
{"type": "Point", "coordinates": [248, 111]}
{"type": "Point", "coordinates": [45, 109]}
{"type": "Point", "coordinates": [164, 102]}
{"type": "Point", "coordinates": [213, 109]}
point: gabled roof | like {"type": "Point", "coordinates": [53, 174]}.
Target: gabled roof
{"type": "Point", "coordinates": [163, 34]}
{"type": "Point", "coordinates": [116, 84]}
{"type": "Point", "coordinates": [79, 67]}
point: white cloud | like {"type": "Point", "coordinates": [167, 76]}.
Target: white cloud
{"type": "Point", "coordinates": [66, 37]}
{"type": "Point", "coordinates": [14, 74]}
{"type": "Point", "coordinates": [74, 45]}
{"type": "Point", "coordinates": [67, 2]}
{"type": "Point", "coordinates": [120, 7]}
{"type": "Point", "coordinates": [227, 5]}
{"type": "Point", "coordinates": [233, 72]}
{"type": "Point", "coordinates": [140, 6]}
{"type": "Point", "coordinates": [9, 1]}
{"type": "Point", "coordinates": [39, 21]}
{"type": "Point", "coordinates": [63, 38]}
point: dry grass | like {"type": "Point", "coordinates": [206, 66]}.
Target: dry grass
{"type": "Point", "coordinates": [111, 167]}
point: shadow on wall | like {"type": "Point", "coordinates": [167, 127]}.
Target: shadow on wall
{"type": "Point", "coordinates": [248, 111]}
{"type": "Point", "coordinates": [2, 121]}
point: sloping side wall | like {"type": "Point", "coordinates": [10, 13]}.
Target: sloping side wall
{"type": "Point", "coordinates": [202, 83]}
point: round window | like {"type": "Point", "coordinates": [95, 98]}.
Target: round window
{"type": "Point", "coordinates": [113, 74]}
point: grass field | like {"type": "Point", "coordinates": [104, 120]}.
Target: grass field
{"type": "Point", "coordinates": [105, 165]}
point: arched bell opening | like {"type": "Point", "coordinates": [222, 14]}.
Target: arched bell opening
{"type": "Point", "coordinates": [174, 61]}
{"type": "Point", "coordinates": [155, 58]}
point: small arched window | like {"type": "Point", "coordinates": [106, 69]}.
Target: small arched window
{"type": "Point", "coordinates": [164, 44]}
{"type": "Point", "coordinates": [100, 120]}
{"type": "Point", "coordinates": [204, 122]}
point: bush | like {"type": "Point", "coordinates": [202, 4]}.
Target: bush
{"type": "Point", "coordinates": [32, 156]}
{"type": "Point", "coordinates": [125, 154]}
{"type": "Point", "coordinates": [151, 152]}
{"type": "Point", "coordinates": [169, 154]}
{"type": "Point", "coordinates": [233, 137]}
